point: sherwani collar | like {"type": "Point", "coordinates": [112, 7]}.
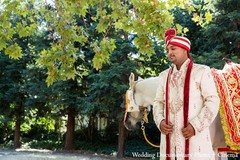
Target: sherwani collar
{"type": "Point", "coordinates": [183, 68]}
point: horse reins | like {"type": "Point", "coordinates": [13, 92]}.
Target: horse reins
{"type": "Point", "coordinates": [145, 137]}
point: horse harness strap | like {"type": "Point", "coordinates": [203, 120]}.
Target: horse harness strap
{"type": "Point", "coordinates": [145, 137]}
{"type": "Point", "coordinates": [131, 106]}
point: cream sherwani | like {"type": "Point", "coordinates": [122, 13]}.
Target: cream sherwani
{"type": "Point", "coordinates": [203, 108]}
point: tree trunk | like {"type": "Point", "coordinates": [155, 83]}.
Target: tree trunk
{"type": "Point", "coordinates": [91, 128]}
{"type": "Point", "coordinates": [69, 144]}
{"type": "Point", "coordinates": [121, 139]}
{"type": "Point", "coordinates": [17, 143]}
{"type": "Point", "coordinates": [121, 127]}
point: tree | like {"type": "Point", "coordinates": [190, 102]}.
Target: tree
{"type": "Point", "coordinates": [59, 17]}
{"type": "Point", "coordinates": [94, 39]}
{"type": "Point", "coordinates": [111, 82]}
{"type": "Point", "coordinates": [221, 36]}
{"type": "Point", "coordinates": [12, 94]}
{"type": "Point", "coordinates": [226, 27]}
{"type": "Point", "coordinates": [22, 82]}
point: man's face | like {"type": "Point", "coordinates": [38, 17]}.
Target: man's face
{"type": "Point", "coordinates": [176, 55]}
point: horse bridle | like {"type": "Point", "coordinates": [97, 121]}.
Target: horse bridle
{"type": "Point", "coordinates": [131, 106]}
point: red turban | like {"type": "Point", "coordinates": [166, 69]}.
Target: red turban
{"type": "Point", "coordinates": [172, 38]}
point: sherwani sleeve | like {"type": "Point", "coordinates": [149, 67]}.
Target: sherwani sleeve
{"type": "Point", "coordinates": [211, 102]}
{"type": "Point", "coordinates": [159, 102]}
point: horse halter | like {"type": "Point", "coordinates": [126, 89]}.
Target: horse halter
{"type": "Point", "coordinates": [131, 105]}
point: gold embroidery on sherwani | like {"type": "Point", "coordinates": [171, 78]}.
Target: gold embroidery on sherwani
{"type": "Point", "coordinates": [176, 99]}
{"type": "Point", "coordinates": [176, 109]}
{"type": "Point", "coordinates": [208, 115]}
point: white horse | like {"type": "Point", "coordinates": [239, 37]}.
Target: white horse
{"type": "Point", "coordinates": [141, 95]}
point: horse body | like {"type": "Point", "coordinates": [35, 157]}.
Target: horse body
{"type": "Point", "coordinates": [144, 94]}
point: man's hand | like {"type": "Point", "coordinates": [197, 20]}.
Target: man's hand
{"type": "Point", "coordinates": [188, 132]}
{"type": "Point", "coordinates": [166, 128]}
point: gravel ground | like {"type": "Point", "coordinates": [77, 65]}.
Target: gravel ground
{"type": "Point", "coordinates": [33, 154]}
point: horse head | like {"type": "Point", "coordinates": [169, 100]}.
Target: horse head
{"type": "Point", "coordinates": [139, 97]}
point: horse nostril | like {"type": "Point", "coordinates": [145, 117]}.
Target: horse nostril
{"type": "Point", "coordinates": [128, 125]}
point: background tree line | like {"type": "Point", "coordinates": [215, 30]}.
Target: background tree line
{"type": "Point", "coordinates": [65, 64]}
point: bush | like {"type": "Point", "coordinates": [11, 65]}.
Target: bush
{"type": "Point", "coordinates": [43, 144]}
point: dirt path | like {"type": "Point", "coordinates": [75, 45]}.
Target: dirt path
{"type": "Point", "coordinates": [33, 154]}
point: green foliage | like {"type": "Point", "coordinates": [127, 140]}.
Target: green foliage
{"type": "Point", "coordinates": [150, 66]}
{"type": "Point", "coordinates": [107, 86]}
{"type": "Point", "coordinates": [23, 90]}
{"type": "Point", "coordinates": [211, 59]}
{"type": "Point", "coordinates": [102, 52]}
{"type": "Point", "coordinates": [14, 51]}
{"type": "Point", "coordinates": [104, 142]}
{"type": "Point", "coordinates": [211, 43]}
{"type": "Point", "coordinates": [50, 144]}
{"type": "Point", "coordinates": [5, 129]}
{"type": "Point", "coordinates": [222, 35]}
{"type": "Point", "coordinates": [42, 123]}
{"type": "Point", "coordinates": [60, 17]}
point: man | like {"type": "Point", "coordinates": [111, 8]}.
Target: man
{"type": "Point", "coordinates": [186, 104]}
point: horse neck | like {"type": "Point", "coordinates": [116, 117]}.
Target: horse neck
{"type": "Point", "coordinates": [145, 91]}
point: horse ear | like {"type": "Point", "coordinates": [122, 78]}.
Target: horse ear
{"type": "Point", "coordinates": [131, 80]}
{"type": "Point", "coordinates": [140, 78]}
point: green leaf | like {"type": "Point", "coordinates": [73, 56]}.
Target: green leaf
{"type": "Point", "coordinates": [208, 17]}
{"type": "Point", "coordinates": [14, 51]}
{"type": "Point", "coordinates": [50, 80]}
{"type": "Point", "coordinates": [71, 74]}
{"type": "Point", "coordinates": [3, 44]}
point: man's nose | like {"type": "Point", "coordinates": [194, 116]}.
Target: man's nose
{"type": "Point", "coordinates": [169, 52]}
